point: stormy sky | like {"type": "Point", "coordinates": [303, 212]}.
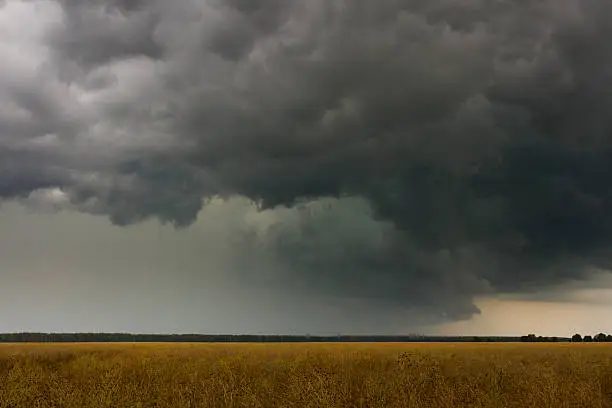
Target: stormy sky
{"type": "Point", "coordinates": [305, 166]}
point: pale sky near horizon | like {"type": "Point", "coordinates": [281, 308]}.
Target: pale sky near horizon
{"type": "Point", "coordinates": [320, 166]}
{"type": "Point", "coordinates": [67, 272]}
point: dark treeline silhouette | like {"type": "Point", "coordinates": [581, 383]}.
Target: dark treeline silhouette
{"type": "Point", "coordinates": [576, 338]}
{"type": "Point", "coordinates": [230, 338]}
{"type": "Point", "coordinates": [600, 337]}
{"type": "Point", "coordinates": [273, 338]}
{"type": "Point", "coordinates": [532, 338]}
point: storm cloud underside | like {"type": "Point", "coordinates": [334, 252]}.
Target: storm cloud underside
{"type": "Point", "coordinates": [428, 151]}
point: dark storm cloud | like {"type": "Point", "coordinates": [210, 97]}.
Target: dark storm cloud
{"type": "Point", "coordinates": [477, 132]}
{"type": "Point", "coordinates": [23, 173]}
{"type": "Point", "coordinates": [96, 32]}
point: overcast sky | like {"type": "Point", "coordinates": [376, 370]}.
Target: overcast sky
{"type": "Point", "coordinates": [281, 166]}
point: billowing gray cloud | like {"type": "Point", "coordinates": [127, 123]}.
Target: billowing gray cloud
{"type": "Point", "coordinates": [468, 140]}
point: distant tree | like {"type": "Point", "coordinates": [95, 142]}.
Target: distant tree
{"type": "Point", "coordinates": [587, 338]}
{"type": "Point", "coordinates": [601, 337]}
{"type": "Point", "coordinates": [609, 337]}
{"type": "Point", "coordinates": [529, 338]}
{"type": "Point", "coordinates": [577, 338]}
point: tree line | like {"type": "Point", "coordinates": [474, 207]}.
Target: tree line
{"type": "Point", "coordinates": [576, 338]}
{"type": "Point", "coordinates": [29, 337]}
{"type": "Point", "coordinates": [532, 338]}
{"type": "Point", "coordinates": [601, 337]}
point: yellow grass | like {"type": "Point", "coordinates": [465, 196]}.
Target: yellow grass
{"type": "Point", "coordinates": [306, 375]}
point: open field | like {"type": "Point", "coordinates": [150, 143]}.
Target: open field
{"type": "Point", "coordinates": [306, 375]}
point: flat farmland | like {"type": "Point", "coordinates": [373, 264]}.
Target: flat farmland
{"type": "Point", "coordinates": [306, 375]}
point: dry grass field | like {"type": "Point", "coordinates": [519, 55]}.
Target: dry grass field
{"type": "Point", "coordinates": [306, 375]}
